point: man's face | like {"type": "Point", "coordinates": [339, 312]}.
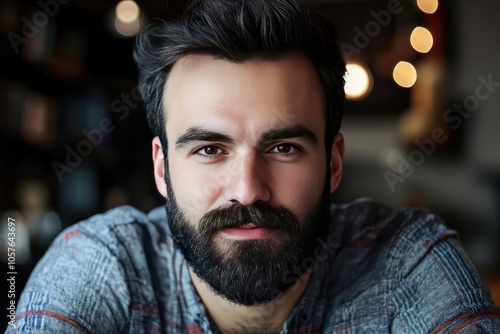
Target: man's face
{"type": "Point", "coordinates": [247, 167]}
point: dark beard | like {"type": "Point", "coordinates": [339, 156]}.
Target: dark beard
{"type": "Point", "coordinates": [248, 272]}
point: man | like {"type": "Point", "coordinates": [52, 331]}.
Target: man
{"type": "Point", "coordinates": [245, 101]}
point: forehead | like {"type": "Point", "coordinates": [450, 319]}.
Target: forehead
{"type": "Point", "coordinates": [204, 91]}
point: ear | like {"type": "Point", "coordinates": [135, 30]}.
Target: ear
{"type": "Point", "coordinates": [336, 162]}
{"type": "Point", "coordinates": [159, 166]}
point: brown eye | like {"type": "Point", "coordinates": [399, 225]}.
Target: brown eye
{"type": "Point", "coordinates": [210, 150]}
{"type": "Point", "coordinates": [284, 149]}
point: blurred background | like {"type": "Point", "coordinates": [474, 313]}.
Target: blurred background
{"type": "Point", "coordinates": [422, 123]}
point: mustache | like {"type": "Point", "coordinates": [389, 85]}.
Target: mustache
{"type": "Point", "coordinates": [237, 215]}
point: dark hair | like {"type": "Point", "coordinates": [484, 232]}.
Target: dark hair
{"type": "Point", "coordinates": [240, 30]}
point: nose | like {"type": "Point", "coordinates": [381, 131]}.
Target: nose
{"type": "Point", "coordinates": [249, 181]}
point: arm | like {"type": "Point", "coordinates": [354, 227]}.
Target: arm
{"type": "Point", "coordinates": [77, 287]}
{"type": "Point", "coordinates": [444, 293]}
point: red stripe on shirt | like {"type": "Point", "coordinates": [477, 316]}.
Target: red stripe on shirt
{"type": "Point", "coordinates": [70, 234]}
{"type": "Point", "coordinates": [190, 328]}
{"type": "Point", "coordinates": [55, 315]}
{"type": "Point", "coordinates": [470, 319]}
{"type": "Point", "coordinates": [144, 308]}
{"type": "Point", "coordinates": [194, 329]}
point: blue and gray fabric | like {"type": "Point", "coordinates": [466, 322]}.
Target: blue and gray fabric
{"type": "Point", "coordinates": [378, 271]}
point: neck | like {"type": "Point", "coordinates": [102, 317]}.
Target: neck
{"type": "Point", "coordinates": [233, 318]}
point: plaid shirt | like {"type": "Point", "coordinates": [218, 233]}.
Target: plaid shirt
{"type": "Point", "coordinates": [378, 271]}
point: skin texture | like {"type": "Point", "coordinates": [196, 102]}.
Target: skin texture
{"type": "Point", "coordinates": [245, 133]}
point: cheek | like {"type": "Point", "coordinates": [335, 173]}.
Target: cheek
{"type": "Point", "coordinates": [195, 190]}
{"type": "Point", "coordinates": [301, 188]}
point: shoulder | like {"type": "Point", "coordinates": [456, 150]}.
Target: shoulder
{"type": "Point", "coordinates": [410, 262]}
{"type": "Point", "coordinates": [121, 232]}
{"type": "Point", "coordinates": [94, 267]}
{"type": "Point", "coordinates": [374, 220]}
{"type": "Point", "coordinates": [367, 213]}
{"type": "Point", "coordinates": [378, 242]}
{"type": "Point", "coordinates": [111, 226]}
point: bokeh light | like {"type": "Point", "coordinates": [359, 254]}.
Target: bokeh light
{"type": "Point", "coordinates": [358, 82]}
{"type": "Point", "coordinates": [405, 74]}
{"type": "Point", "coordinates": [421, 40]}
{"type": "Point", "coordinates": [127, 18]}
{"type": "Point", "coordinates": [428, 6]}
{"type": "Point", "coordinates": [127, 11]}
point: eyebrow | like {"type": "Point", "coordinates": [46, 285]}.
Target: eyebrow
{"type": "Point", "coordinates": [297, 131]}
{"type": "Point", "coordinates": [196, 133]}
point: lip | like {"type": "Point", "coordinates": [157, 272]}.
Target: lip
{"type": "Point", "coordinates": [247, 232]}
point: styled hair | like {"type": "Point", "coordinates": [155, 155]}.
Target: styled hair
{"type": "Point", "coordinates": [237, 31]}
